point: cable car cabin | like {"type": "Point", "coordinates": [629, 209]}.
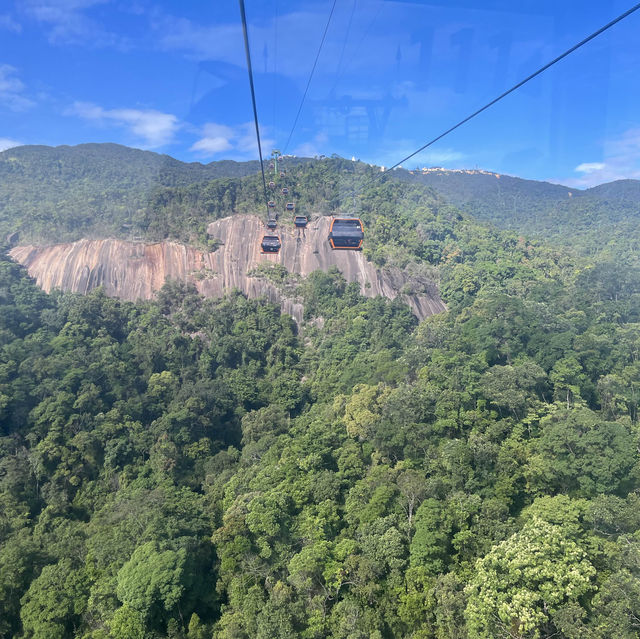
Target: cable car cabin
{"type": "Point", "coordinates": [271, 204]}
{"type": "Point", "coordinates": [271, 223]}
{"type": "Point", "coordinates": [282, 173]}
{"type": "Point", "coordinates": [285, 191]}
{"type": "Point", "coordinates": [291, 206]}
{"type": "Point", "coordinates": [300, 221]}
{"type": "Point", "coordinates": [270, 244]}
{"type": "Point", "coordinates": [346, 233]}
{"type": "Point", "coordinates": [272, 185]}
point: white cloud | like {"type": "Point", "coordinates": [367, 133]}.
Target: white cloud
{"type": "Point", "coordinates": [241, 140]}
{"type": "Point", "coordinates": [445, 156]}
{"type": "Point", "coordinates": [12, 90]}
{"type": "Point", "coordinates": [222, 42]}
{"type": "Point", "coordinates": [317, 146]}
{"type": "Point", "coordinates": [247, 142]}
{"type": "Point", "coordinates": [9, 24]}
{"type": "Point", "coordinates": [590, 167]}
{"type": "Point", "coordinates": [210, 146]}
{"type": "Point", "coordinates": [153, 127]}
{"type": "Point", "coordinates": [67, 21]}
{"type": "Point", "coordinates": [214, 42]}
{"type": "Point", "coordinates": [621, 160]}
{"type": "Point", "coordinates": [8, 143]}
{"type": "Point", "coordinates": [216, 139]}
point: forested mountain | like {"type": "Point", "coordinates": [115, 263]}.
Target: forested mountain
{"type": "Point", "coordinates": [46, 191]}
{"type": "Point", "coordinates": [107, 190]}
{"type": "Point", "coordinates": [599, 219]}
{"type": "Point", "coordinates": [197, 469]}
{"type": "Point", "coordinates": [489, 194]}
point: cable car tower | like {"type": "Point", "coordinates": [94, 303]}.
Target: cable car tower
{"type": "Point", "coordinates": [275, 154]}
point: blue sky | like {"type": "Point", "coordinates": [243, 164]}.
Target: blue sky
{"type": "Point", "coordinates": [170, 76]}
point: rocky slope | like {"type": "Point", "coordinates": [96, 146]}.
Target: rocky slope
{"type": "Point", "coordinates": [134, 270]}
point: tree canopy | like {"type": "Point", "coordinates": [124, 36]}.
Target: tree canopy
{"type": "Point", "coordinates": [197, 468]}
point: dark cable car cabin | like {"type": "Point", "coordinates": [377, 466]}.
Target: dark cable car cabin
{"type": "Point", "coordinates": [285, 191]}
{"type": "Point", "coordinates": [270, 244]}
{"type": "Point", "coordinates": [272, 185]}
{"type": "Point", "coordinates": [291, 206]}
{"type": "Point", "coordinates": [300, 221]}
{"type": "Point", "coordinates": [282, 173]}
{"type": "Point", "coordinates": [271, 204]}
{"type": "Point", "coordinates": [271, 223]}
{"type": "Point", "coordinates": [346, 233]}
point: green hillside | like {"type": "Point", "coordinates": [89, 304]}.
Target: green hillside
{"type": "Point", "coordinates": [61, 193]}
{"type": "Point", "coordinates": [600, 219]}
{"type": "Point", "coordinates": [153, 197]}
{"type": "Point", "coordinates": [191, 468]}
{"type": "Point", "coordinates": [487, 192]}
{"type": "Point", "coordinates": [105, 190]}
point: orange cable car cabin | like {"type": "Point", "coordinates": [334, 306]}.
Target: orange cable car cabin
{"type": "Point", "coordinates": [346, 233]}
{"type": "Point", "coordinates": [270, 244]}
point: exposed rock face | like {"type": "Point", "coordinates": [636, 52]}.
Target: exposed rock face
{"type": "Point", "coordinates": [134, 270]}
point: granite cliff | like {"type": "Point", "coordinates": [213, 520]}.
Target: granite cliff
{"type": "Point", "coordinates": [134, 270]}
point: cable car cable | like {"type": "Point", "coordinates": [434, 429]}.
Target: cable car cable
{"type": "Point", "coordinates": [304, 95]}
{"type": "Point", "coordinates": [517, 86]}
{"type": "Point", "coordinates": [253, 98]}
{"type": "Point", "coordinates": [275, 69]}
{"type": "Point", "coordinates": [344, 46]}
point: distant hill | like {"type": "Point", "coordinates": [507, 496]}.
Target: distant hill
{"type": "Point", "coordinates": [106, 181]}
{"type": "Point", "coordinates": [114, 161]}
{"type": "Point", "coordinates": [493, 196]}
{"type": "Point", "coordinates": [107, 190]}
{"type": "Point", "coordinates": [620, 191]}
{"type": "Point", "coordinates": [588, 220]}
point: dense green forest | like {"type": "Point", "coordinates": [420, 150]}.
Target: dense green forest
{"type": "Point", "coordinates": [98, 190]}
{"type": "Point", "coordinates": [194, 468]}
{"type": "Point", "coordinates": [603, 220]}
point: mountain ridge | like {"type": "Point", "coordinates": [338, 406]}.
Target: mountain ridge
{"type": "Point", "coordinates": [246, 167]}
{"type": "Point", "coordinates": [61, 194]}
